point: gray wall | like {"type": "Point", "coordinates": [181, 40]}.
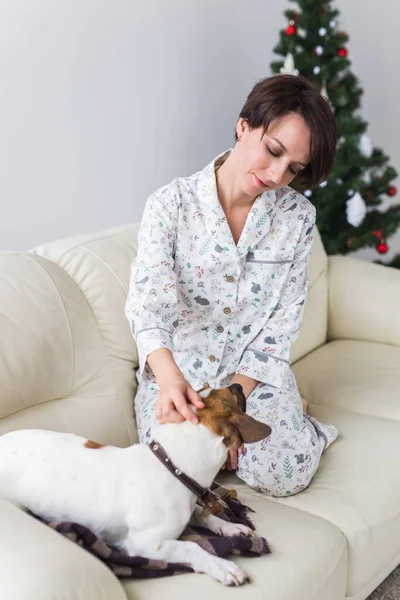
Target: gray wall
{"type": "Point", "coordinates": [103, 101]}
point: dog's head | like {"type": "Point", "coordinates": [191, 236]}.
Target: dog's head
{"type": "Point", "coordinates": [224, 415]}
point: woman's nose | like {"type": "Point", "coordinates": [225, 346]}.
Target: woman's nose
{"type": "Point", "coordinates": [276, 172]}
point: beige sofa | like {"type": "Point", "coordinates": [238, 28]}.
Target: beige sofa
{"type": "Point", "coordinates": [67, 362]}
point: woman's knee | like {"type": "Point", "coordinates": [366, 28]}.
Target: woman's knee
{"type": "Point", "coordinates": [278, 474]}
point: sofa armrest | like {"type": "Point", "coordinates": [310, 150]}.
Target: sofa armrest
{"type": "Point", "coordinates": [37, 562]}
{"type": "Point", "coordinates": [364, 301]}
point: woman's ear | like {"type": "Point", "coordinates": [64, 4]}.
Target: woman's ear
{"type": "Point", "coordinates": [241, 127]}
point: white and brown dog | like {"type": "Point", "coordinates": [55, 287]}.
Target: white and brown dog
{"type": "Point", "coordinates": [126, 496]}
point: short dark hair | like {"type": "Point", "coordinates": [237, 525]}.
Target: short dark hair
{"type": "Point", "coordinates": [276, 96]}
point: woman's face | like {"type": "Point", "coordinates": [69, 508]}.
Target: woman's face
{"type": "Point", "coordinates": [272, 160]}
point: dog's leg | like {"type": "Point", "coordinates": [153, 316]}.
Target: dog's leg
{"type": "Point", "coordinates": [189, 553]}
{"type": "Point", "coordinates": [217, 525]}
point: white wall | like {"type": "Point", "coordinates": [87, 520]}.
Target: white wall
{"type": "Point", "coordinates": [103, 101]}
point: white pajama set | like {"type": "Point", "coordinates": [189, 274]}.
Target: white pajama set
{"type": "Point", "coordinates": [224, 308]}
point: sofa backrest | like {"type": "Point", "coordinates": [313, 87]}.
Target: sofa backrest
{"type": "Point", "coordinates": [67, 355]}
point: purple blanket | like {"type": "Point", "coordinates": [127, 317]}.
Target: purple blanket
{"type": "Point", "coordinates": [135, 566]}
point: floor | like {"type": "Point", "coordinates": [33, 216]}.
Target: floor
{"type": "Point", "coordinates": [389, 588]}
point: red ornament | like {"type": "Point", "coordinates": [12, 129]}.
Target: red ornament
{"type": "Point", "coordinates": [342, 52]}
{"type": "Point", "coordinates": [291, 30]}
{"type": "Point", "coordinates": [382, 248]}
{"type": "Point", "coordinates": [392, 191]}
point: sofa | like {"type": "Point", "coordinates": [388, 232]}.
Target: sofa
{"type": "Point", "coordinates": [68, 361]}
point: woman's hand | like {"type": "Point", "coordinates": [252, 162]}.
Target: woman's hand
{"type": "Point", "coordinates": [232, 460]}
{"type": "Point", "coordinates": [172, 402]}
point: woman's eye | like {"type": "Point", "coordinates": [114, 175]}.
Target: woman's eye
{"type": "Point", "coordinates": [272, 153]}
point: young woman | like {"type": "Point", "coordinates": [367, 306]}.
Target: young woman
{"type": "Point", "coordinates": [220, 280]}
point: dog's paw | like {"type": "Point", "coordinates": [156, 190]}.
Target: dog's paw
{"type": "Point", "coordinates": [229, 529]}
{"type": "Point", "coordinates": [228, 572]}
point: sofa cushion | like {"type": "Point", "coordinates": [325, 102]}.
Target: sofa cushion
{"type": "Point", "coordinates": [355, 386]}
{"type": "Point", "coordinates": [54, 370]}
{"type": "Point", "coordinates": [356, 376]}
{"type": "Point", "coordinates": [308, 561]}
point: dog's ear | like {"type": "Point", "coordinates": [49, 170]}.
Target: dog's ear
{"type": "Point", "coordinates": [237, 391]}
{"type": "Point", "coordinates": [249, 429]}
{"type": "Point", "coordinates": [230, 433]}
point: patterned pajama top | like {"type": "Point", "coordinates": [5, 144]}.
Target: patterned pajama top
{"type": "Point", "coordinates": [220, 308]}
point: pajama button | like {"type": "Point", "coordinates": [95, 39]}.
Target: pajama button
{"type": "Point", "coordinates": [227, 311]}
{"type": "Point", "coordinates": [220, 329]}
{"type": "Point", "coordinates": [206, 385]}
{"type": "Point", "coordinates": [230, 278]}
{"type": "Point", "coordinates": [212, 358]}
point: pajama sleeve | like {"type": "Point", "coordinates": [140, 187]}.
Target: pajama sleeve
{"type": "Point", "coordinates": [267, 357]}
{"type": "Point", "coordinates": [151, 306]}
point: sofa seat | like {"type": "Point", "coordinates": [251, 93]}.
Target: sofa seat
{"type": "Point", "coordinates": [354, 488]}
{"type": "Point", "coordinates": [308, 561]}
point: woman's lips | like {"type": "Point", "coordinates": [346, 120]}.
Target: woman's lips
{"type": "Point", "coordinates": [260, 183]}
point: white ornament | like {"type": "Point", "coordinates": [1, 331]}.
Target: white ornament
{"type": "Point", "coordinates": [341, 141]}
{"type": "Point", "coordinates": [316, 70]}
{"type": "Point", "coordinates": [367, 177]}
{"type": "Point", "coordinates": [332, 23]}
{"type": "Point", "coordinates": [307, 193]}
{"type": "Point", "coordinates": [339, 181]}
{"type": "Point", "coordinates": [319, 50]}
{"type": "Point", "coordinates": [365, 145]}
{"type": "Point", "coordinates": [322, 31]}
{"type": "Point", "coordinates": [355, 210]}
{"type": "Point", "coordinates": [323, 184]}
{"type": "Point", "coordinates": [288, 65]}
{"type": "Point", "coordinates": [302, 33]}
{"type": "Point", "coordinates": [350, 193]}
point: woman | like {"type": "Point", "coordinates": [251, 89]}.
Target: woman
{"type": "Point", "coordinates": [220, 280]}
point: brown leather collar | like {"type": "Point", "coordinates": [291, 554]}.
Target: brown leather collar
{"type": "Point", "coordinates": [205, 497]}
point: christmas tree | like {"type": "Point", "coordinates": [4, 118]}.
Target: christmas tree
{"type": "Point", "coordinates": [347, 217]}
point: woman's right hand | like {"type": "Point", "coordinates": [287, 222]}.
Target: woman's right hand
{"type": "Point", "coordinates": [172, 404]}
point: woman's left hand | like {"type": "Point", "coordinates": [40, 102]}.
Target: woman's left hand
{"type": "Point", "coordinates": [232, 459]}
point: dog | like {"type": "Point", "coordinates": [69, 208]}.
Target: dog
{"type": "Point", "coordinates": [126, 496]}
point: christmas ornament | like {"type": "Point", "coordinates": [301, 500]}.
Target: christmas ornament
{"type": "Point", "coordinates": [350, 193]}
{"type": "Point", "coordinates": [319, 50]}
{"type": "Point", "coordinates": [339, 181]}
{"type": "Point", "coordinates": [302, 33]}
{"type": "Point", "coordinates": [392, 191]}
{"type": "Point", "coordinates": [365, 146]}
{"type": "Point", "coordinates": [316, 70]}
{"type": "Point", "coordinates": [355, 210]}
{"type": "Point", "coordinates": [288, 66]}
{"type": "Point", "coordinates": [342, 52]}
{"type": "Point", "coordinates": [382, 248]}
{"type": "Point", "coordinates": [322, 31]}
{"type": "Point", "coordinates": [323, 184]}
{"type": "Point", "coordinates": [291, 29]}
{"type": "Point", "coordinates": [307, 193]}
{"type": "Point", "coordinates": [332, 23]}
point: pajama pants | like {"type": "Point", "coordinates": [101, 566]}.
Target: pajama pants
{"type": "Point", "coordinates": [281, 465]}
